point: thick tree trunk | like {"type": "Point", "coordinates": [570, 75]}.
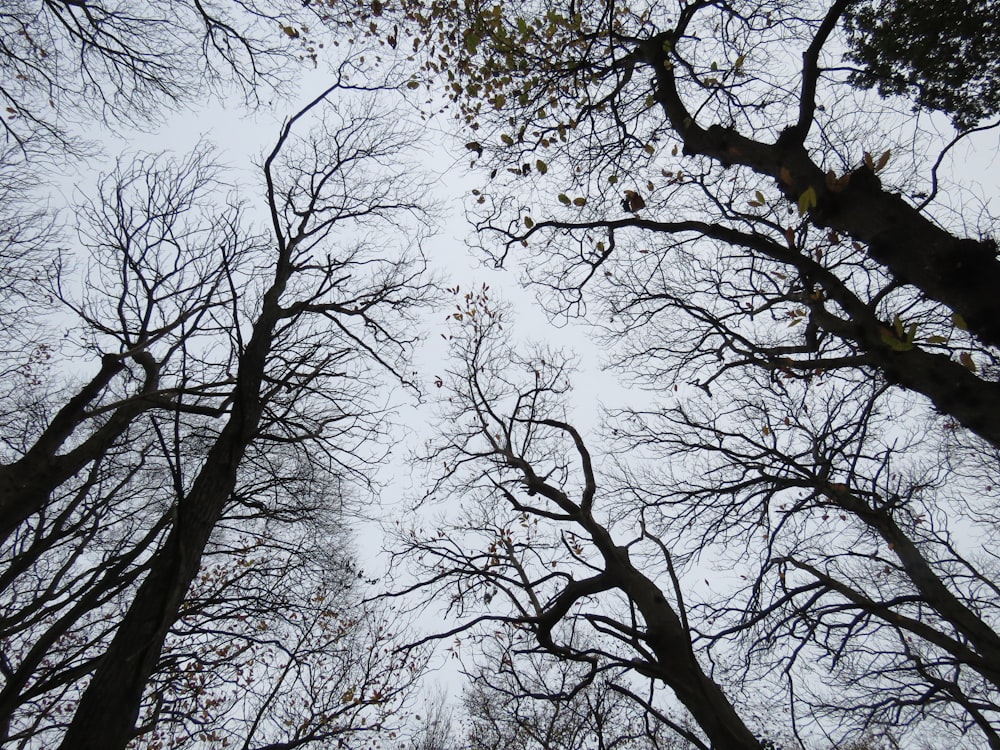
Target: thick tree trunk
{"type": "Point", "coordinates": [963, 274]}
{"type": "Point", "coordinates": [106, 714]}
{"type": "Point", "coordinates": [677, 665]}
{"type": "Point", "coordinates": [665, 633]}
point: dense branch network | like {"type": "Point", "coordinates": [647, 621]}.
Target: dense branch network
{"type": "Point", "coordinates": [818, 336]}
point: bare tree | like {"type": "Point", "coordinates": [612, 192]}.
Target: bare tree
{"type": "Point", "coordinates": [308, 199]}
{"type": "Point", "coordinates": [157, 284]}
{"type": "Point", "coordinates": [63, 61]}
{"type": "Point", "coordinates": [531, 550]}
{"type": "Point", "coordinates": [777, 256]}
{"type": "Point", "coordinates": [87, 495]}
{"type": "Point", "coordinates": [251, 411]}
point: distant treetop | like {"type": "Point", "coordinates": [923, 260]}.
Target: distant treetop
{"type": "Point", "coordinates": [944, 53]}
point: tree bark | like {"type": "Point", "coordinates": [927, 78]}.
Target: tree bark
{"type": "Point", "coordinates": [106, 714]}
{"type": "Point", "coordinates": [961, 273]}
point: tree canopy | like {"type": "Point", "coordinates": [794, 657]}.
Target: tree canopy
{"type": "Point", "coordinates": [945, 55]}
{"type": "Point", "coordinates": [762, 244]}
{"type": "Point", "coordinates": [782, 536]}
{"type": "Point", "coordinates": [191, 384]}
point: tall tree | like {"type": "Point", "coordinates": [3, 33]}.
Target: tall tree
{"type": "Point", "coordinates": [157, 280]}
{"type": "Point", "coordinates": [511, 451]}
{"type": "Point", "coordinates": [257, 356]}
{"type": "Point", "coordinates": [175, 470]}
{"type": "Point", "coordinates": [312, 190]}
